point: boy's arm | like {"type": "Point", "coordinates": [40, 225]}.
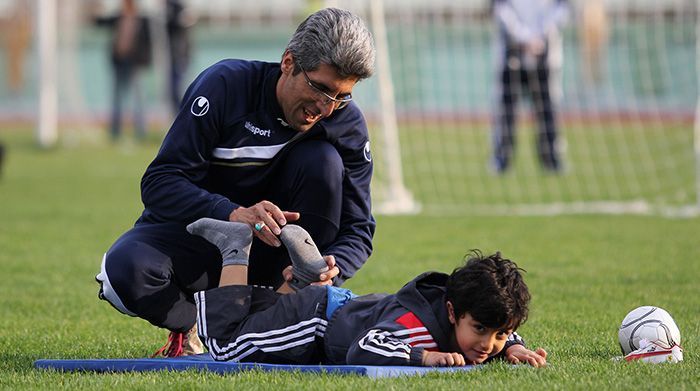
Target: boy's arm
{"type": "Point", "coordinates": [390, 343]}
{"type": "Point", "coordinates": [383, 345]}
{"type": "Point", "coordinates": [513, 340]}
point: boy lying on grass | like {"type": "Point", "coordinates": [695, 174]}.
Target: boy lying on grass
{"type": "Point", "coordinates": [467, 317]}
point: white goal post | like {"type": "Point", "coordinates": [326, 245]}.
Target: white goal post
{"type": "Point", "coordinates": [47, 118]}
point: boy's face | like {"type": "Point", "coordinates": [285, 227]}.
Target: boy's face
{"type": "Point", "coordinates": [476, 341]}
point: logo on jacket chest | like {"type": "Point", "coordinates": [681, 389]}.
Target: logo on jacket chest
{"type": "Point", "coordinates": [256, 130]}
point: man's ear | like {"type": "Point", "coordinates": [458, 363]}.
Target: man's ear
{"type": "Point", "coordinates": [287, 64]}
{"type": "Point", "coordinates": [451, 312]}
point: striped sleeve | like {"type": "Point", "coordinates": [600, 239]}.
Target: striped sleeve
{"type": "Point", "coordinates": [398, 342]}
{"type": "Point", "coordinates": [513, 339]}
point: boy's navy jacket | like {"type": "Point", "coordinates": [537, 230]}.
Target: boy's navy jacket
{"type": "Point", "coordinates": [395, 329]}
{"type": "Point", "coordinates": [227, 138]}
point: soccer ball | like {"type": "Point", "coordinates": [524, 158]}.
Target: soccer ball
{"type": "Point", "coordinates": [651, 323]}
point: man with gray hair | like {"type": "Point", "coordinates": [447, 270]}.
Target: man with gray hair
{"type": "Point", "coordinates": [262, 144]}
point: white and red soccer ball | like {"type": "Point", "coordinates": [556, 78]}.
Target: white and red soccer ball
{"type": "Point", "coordinates": [649, 328]}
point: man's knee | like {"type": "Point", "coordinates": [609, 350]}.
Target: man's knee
{"type": "Point", "coordinates": [107, 291]}
{"type": "Point", "coordinates": [318, 164]}
{"type": "Point", "coordinates": [310, 181]}
{"type": "Point", "coordinates": [131, 271]}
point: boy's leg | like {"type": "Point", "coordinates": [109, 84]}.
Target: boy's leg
{"type": "Point", "coordinates": [307, 262]}
{"type": "Point", "coordinates": [233, 241]}
{"type": "Point", "coordinates": [244, 323]}
{"type": "Point", "coordinates": [241, 322]}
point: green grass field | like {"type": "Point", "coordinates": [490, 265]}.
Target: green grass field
{"type": "Point", "coordinates": [61, 209]}
{"type": "Point", "coordinates": [446, 166]}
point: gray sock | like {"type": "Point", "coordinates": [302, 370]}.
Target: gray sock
{"type": "Point", "coordinates": [306, 259]}
{"type": "Point", "coordinates": [232, 239]}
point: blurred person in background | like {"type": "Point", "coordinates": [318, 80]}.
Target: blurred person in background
{"type": "Point", "coordinates": [594, 32]}
{"type": "Point", "coordinates": [16, 38]}
{"type": "Point", "coordinates": [130, 52]}
{"type": "Point", "coordinates": [258, 143]}
{"type": "Point", "coordinates": [529, 57]}
{"type": "Point", "coordinates": [179, 21]}
{"type": "Point", "coordinates": [16, 32]}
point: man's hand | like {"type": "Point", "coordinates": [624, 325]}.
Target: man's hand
{"type": "Point", "coordinates": [517, 354]}
{"type": "Point", "coordinates": [440, 359]}
{"type": "Point", "coordinates": [266, 216]}
{"type": "Point", "coordinates": [325, 278]}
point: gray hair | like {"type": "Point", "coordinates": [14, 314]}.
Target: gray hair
{"type": "Point", "coordinates": [334, 37]}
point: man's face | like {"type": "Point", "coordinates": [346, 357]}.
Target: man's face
{"type": "Point", "coordinates": [476, 341]}
{"type": "Point", "coordinates": [302, 104]}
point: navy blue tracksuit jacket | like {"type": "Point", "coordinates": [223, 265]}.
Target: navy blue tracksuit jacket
{"type": "Point", "coordinates": [228, 137]}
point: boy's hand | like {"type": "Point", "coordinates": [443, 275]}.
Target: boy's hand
{"type": "Point", "coordinates": [440, 359]}
{"type": "Point", "coordinates": [517, 354]}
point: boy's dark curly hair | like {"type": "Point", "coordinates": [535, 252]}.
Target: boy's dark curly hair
{"type": "Point", "coordinates": [491, 289]}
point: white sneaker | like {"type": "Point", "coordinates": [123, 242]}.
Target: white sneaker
{"type": "Point", "coordinates": [654, 352]}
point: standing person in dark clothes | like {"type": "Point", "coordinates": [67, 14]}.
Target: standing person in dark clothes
{"type": "Point", "coordinates": [529, 56]}
{"type": "Point", "coordinates": [130, 52]}
{"type": "Point", "coordinates": [179, 22]}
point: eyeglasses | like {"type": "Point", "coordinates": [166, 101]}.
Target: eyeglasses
{"type": "Point", "coordinates": [338, 103]}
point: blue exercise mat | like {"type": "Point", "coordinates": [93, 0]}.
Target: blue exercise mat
{"type": "Point", "coordinates": [205, 363]}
